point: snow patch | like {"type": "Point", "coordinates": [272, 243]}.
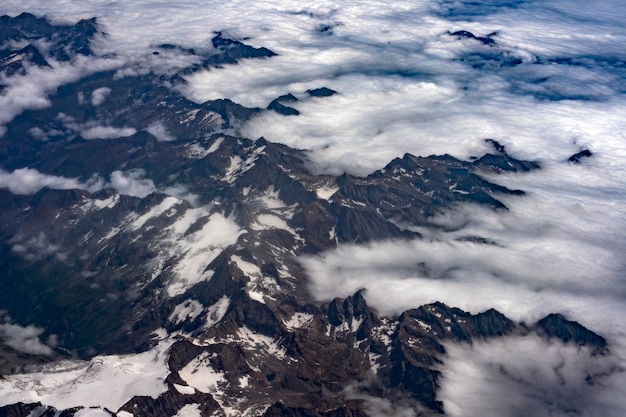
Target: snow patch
{"type": "Point", "coordinates": [262, 287]}
{"type": "Point", "coordinates": [384, 332]}
{"type": "Point", "coordinates": [188, 219]}
{"type": "Point", "coordinates": [216, 312]}
{"type": "Point", "coordinates": [197, 151]}
{"type": "Point", "coordinates": [355, 324]}
{"type": "Point", "coordinates": [271, 199]}
{"type": "Point", "coordinates": [191, 116]}
{"type": "Point", "coordinates": [15, 58]}
{"type": "Point", "coordinates": [326, 193]}
{"type": "Point", "coordinates": [258, 345]}
{"type": "Point", "coordinates": [189, 410]}
{"type": "Point", "coordinates": [160, 334]}
{"type": "Point", "coordinates": [105, 381]}
{"type": "Point", "coordinates": [156, 211]}
{"type": "Point", "coordinates": [184, 389]}
{"type": "Point", "coordinates": [298, 320]}
{"type": "Point", "coordinates": [233, 169]}
{"type": "Point", "coordinates": [374, 365]}
{"type": "Point", "coordinates": [248, 268]}
{"type": "Point", "coordinates": [199, 249]}
{"type": "Point", "coordinates": [92, 412]}
{"type": "Point", "coordinates": [199, 373]}
{"type": "Point", "coordinates": [257, 341]}
{"type": "Point", "coordinates": [238, 166]}
{"type": "Point", "coordinates": [186, 311]}
{"type": "Point", "coordinates": [256, 296]}
{"type": "Point", "coordinates": [215, 146]}
{"type": "Point", "coordinates": [271, 221]}
{"type": "Point", "coordinates": [424, 325]}
{"type": "Point", "coordinates": [95, 204]}
{"type": "Point", "coordinates": [244, 381]}
{"type": "Point", "coordinates": [259, 286]}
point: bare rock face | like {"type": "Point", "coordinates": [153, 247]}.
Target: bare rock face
{"type": "Point", "coordinates": [170, 403]}
{"type": "Point", "coordinates": [18, 409]}
{"type": "Point", "coordinates": [578, 156]}
{"type": "Point", "coordinates": [557, 326]}
{"type": "Point", "coordinates": [279, 105]}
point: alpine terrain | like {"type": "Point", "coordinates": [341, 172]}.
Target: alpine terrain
{"type": "Point", "coordinates": [153, 259]}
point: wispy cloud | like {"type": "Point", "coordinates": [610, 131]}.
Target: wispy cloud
{"type": "Point", "coordinates": [107, 132]}
{"type": "Point", "coordinates": [99, 95]}
{"type": "Point", "coordinates": [24, 339]}
{"type": "Point", "coordinates": [29, 181]}
{"type": "Point", "coordinates": [31, 90]}
{"type": "Point", "coordinates": [160, 132]}
{"type": "Point", "coordinates": [132, 183]}
{"type": "Point", "coordinates": [36, 247]}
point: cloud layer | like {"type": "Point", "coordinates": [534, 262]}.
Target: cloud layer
{"type": "Point", "coordinates": [520, 376]}
{"type": "Point", "coordinates": [556, 249]}
{"type": "Point", "coordinates": [553, 80]}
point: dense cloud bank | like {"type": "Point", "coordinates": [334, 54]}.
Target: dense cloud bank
{"type": "Point", "coordinates": [546, 79]}
{"type": "Point", "coordinates": [519, 376]}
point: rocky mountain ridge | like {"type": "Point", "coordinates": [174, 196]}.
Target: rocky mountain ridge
{"type": "Point", "coordinates": [304, 365]}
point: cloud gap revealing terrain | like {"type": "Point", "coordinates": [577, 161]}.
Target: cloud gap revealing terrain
{"type": "Point", "coordinates": [340, 210]}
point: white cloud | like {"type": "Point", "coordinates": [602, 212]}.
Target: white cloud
{"type": "Point", "coordinates": [377, 56]}
{"type": "Point", "coordinates": [181, 192]}
{"type": "Point", "coordinates": [132, 183]}
{"type": "Point", "coordinates": [29, 181]}
{"type": "Point", "coordinates": [559, 250]}
{"type": "Point", "coordinates": [99, 95]}
{"type": "Point", "coordinates": [35, 248]}
{"type": "Point", "coordinates": [360, 129]}
{"type": "Point", "coordinates": [23, 339]}
{"type": "Point", "coordinates": [377, 406]}
{"type": "Point", "coordinates": [107, 132]}
{"type": "Point", "coordinates": [160, 132]}
{"type": "Point", "coordinates": [31, 91]}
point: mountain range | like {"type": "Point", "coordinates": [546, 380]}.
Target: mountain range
{"type": "Point", "coordinates": [153, 253]}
